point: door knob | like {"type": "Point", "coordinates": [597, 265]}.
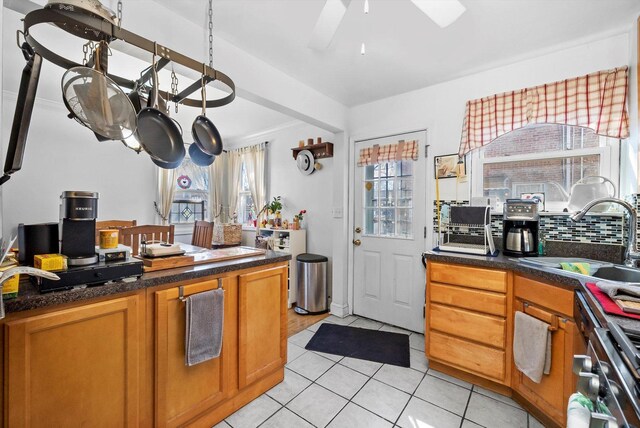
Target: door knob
{"type": "Point", "coordinates": [358, 229]}
{"type": "Point", "coordinates": [357, 242]}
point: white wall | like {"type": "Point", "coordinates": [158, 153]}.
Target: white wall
{"type": "Point", "coordinates": [313, 193]}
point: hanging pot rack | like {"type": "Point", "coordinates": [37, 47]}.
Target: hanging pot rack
{"type": "Point", "coordinates": [95, 28]}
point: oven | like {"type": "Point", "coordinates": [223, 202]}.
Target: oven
{"type": "Point", "coordinates": [605, 374]}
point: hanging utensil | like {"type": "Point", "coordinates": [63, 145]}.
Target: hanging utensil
{"type": "Point", "coordinates": [160, 136]}
{"type": "Point", "coordinates": [96, 101]}
{"type": "Point", "coordinates": [199, 157]}
{"type": "Point", "coordinates": [204, 132]}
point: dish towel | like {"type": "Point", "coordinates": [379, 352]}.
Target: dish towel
{"type": "Point", "coordinates": [583, 268]}
{"type": "Point", "coordinates": [204, 326]}
{"type": "Point", "coordinates": [621, 290]}
{"type": "Point", "coordinates": [579, 410]}
{"type": "Point", "coordinates": [531, 346]}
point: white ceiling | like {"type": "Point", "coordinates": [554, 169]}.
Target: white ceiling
{"type": "Point", "coordinates": [405, 49]}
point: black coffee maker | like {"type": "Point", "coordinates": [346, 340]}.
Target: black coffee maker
{"type": "Point", "coordinates": [520, 226]}
{"type": "Point", "coordinates": [78, 213]}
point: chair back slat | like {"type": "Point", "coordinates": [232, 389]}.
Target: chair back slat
{"type": "Point", "coordinates": [133, 236]}
{"type": "Point", "coordinates": [202, 234]}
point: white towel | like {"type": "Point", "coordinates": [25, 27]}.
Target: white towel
{"type": "Point", "coordinates": [204, 326]}
{"type": "Point", "coordinates": [629, 291]}
{"type": "Point", "coordinates": [579, 411]}
{"type": "Point", "coordinates": [531, 346]}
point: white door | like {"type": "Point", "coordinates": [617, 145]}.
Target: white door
{"type": "Point", "coordinates": [388, 236]}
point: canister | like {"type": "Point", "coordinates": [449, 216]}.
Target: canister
{"type": "Point", "coordinates": [109, 238]}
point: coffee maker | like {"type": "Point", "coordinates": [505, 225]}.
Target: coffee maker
{"type": "Point", "coordinates": [78, 213]}
{"type": "Point", "coordinates": [520, 227]}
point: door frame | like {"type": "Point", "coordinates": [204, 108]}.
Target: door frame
{"type": "Point", "coordinates": [351, 207]}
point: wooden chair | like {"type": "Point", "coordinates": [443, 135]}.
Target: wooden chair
{"type": "Point", "coordinates": [112, 224]}
{"type": "Point", "coordinates": [133, 236]}
{"type": "Point", "coordinates": [202, 234]}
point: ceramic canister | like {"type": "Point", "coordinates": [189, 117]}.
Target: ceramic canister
{"type": "Point", "coordinates": [109, 238]}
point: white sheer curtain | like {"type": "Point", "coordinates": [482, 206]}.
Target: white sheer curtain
{"type": "Point", "coordinates": [254, 163]}
{"type": "Point", "coordinates": [234, 168]}
{"type": "Point", "coordinates": [166, 191]}
{"type": "Point", "coordinates": [217, 196]}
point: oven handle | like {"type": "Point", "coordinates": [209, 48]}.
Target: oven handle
{"type": "Point", "coordinates": [627, 347]}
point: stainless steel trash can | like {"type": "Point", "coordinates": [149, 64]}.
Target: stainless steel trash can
{"type": "Point", "coordinates": [311, 286]}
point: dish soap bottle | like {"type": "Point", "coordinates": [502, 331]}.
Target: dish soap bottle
{"type": "Point", "coordinates": [542, 242]}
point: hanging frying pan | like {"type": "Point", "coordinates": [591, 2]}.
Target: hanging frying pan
{"type": "Point", "coordinates": [22, 116]}
{"type": "Point", "coordinates": [199, 157]}
{"type": "Point", "coordinates": [166, 165]}
{"type": "Point", "coordinates": [204, 132]}
{"type": "Point", "coordinates": [159, 135]}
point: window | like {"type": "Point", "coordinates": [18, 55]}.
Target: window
{"type": "Point", "coordinates": [190, 201]}
{"type": "Point", "coordinates": [388, 208]}
{"type": "Point", "coordinates": [547, 159]}
{"type": "Point", "coordinates": [246, 211]}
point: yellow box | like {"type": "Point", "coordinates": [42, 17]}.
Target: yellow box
{"type": "Point", "coordinates": [50, 262]}
{"type": "Point", "coordinates": [10, 286]}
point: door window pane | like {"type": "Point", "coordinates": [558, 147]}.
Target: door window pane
{"type": "Point", "coordinates": [388, 199]}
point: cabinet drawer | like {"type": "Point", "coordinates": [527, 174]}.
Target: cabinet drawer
{"type": "Point", "coordinates": [477, 300]}
{"type": "Point", "coordinates": [472, 277]}
{"type": "Point", "coordinates": [557, 299]}
{"type": "Point", "coordinates": [481, 328]}
{"type": "Point", "coordinates": [471, 357]}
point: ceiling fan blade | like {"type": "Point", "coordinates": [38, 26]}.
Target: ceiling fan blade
{"type": "Point", "coordinates": [442, 12]}
{"type": "Point", "coordinates": [328, 23]}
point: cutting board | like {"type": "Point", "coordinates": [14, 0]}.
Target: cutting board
{"type": "Point", "coordinates": [627, 306]}
{"type": "Point", "coordinates": [196, 255]}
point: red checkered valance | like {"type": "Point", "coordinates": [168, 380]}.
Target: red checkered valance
{"type": "Point", "coordinates": [402, 150]}
{"type": "Point", "coordinates": [597, 101]}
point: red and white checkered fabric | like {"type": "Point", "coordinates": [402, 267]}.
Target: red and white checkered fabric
{"type": "Point", "coordinates": [402, 150]}
{"type": "Point", "coordinates": [597, 101]}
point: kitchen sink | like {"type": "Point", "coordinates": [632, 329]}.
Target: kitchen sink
{"type": "Point", "coordinates": [554, 262]}
{"type": "Point", "coordinates": [618, 273]}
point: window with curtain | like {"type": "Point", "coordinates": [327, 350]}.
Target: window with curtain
{"type": "Point", "coordinates": [547, 159]}
{"type": "Point", "coordinates": [246, 210]}
{"type": "Point", "coordinates": [191, 197]}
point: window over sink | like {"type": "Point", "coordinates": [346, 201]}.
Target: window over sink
{"type": "Point", "coordinates": [546, 158]}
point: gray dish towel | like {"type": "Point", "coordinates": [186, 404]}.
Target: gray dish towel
{"type": "Point", "coordinates": [204, 326]}
{"type": "Point", "coordinates": [628, 291]}
{"type": "Point", "coordinates": [531, 346]}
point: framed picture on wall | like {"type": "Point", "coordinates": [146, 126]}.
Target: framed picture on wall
{"type": "Point", "coordinates": [445, 166]}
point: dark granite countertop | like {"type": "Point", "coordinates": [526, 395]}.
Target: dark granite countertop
{"type": "Point", "coordinates": [556, 277]}
{"type": "Point", "coordinates": [30, 298]}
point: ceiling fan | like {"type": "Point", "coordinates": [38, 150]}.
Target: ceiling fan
{"type": "Point", "coordinates": [442, 12]}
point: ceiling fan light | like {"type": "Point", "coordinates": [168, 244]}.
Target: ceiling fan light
{"type": "Point", "coordinates": [442, 12]}
{"type": "Point", "coordinates": [366, 6]}
{"type": "Point", "coordinates": [362, 50]}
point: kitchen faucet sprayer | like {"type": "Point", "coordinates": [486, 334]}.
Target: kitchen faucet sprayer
{"type": "Point", "coordinates": [631, 255]}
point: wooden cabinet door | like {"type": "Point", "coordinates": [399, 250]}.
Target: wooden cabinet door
{"type": "Point", "coordinates": [77, 366]}
{"type": "Point", "coordinates": [552, 393]}
{"type": "Point", "coordinates": [182, 392]}
{"type": "Point", "coordinates": [262, 325]}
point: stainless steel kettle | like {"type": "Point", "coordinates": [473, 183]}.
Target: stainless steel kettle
{"type": "Point", "coordinates": [520, 240]}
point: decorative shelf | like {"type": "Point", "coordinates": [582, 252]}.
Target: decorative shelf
{"type": "Point", "coordinates": [320, 151]}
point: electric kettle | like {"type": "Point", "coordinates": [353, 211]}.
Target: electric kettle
{"type": "Point", "coordinates": [520, 240]}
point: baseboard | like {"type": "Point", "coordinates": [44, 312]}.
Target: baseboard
{"type": "Point", "coordinates": [340, 311]}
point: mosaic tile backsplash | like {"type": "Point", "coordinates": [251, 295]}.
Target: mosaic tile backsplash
{"type": "Point", "coordinates": [593, 228]}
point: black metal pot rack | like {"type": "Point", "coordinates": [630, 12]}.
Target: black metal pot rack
{"type": "Point", "coordinates": [92, 27]}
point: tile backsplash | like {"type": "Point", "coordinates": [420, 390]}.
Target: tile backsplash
{"type": "Point", "coordinates": [593, 228]}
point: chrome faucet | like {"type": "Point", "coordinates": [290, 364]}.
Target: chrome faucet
{"type": "Point", "coordinates": [631, 255]}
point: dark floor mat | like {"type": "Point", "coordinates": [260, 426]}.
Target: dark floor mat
{"type": "Point", "coordinates": [373, 345]}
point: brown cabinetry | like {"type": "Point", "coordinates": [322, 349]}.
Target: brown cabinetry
{"type": "Point", "coordinates": [77, 366]}
{"type": "Point", "coordinates": [181, 391]}
{"type": "Point", "coordinates": [262, 323]}
{"type": "Point", "coordinates": [554, 306]}
{"type": "Point", "coordinates": [466, 320]}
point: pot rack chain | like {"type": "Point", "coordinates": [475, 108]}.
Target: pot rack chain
{"type": "Point", "coordinates": [96, 28]}
{"type": "Point", "coordinates": [211, 33]}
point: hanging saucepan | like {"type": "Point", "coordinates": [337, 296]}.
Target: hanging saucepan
{"type": "Point", "coordinates": [199, 157]}
{"type": "Point", "coordinates": [159, 135]}
{"type": "Point", "coordinates": [97, 102]}
{"type": "Point", "coordinates": [203, 131]}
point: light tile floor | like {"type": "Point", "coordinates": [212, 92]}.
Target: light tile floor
{"type": "Point", "coordinates": [322, 390]}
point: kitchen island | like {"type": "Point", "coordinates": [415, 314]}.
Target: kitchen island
{"type": "Point", "coordinates": [113, 355]}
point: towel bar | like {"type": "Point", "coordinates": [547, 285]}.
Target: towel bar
{"type": "Point", "coordinates": [535, 312]}
{"type": "Point", "coordinates": [181, 296]}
